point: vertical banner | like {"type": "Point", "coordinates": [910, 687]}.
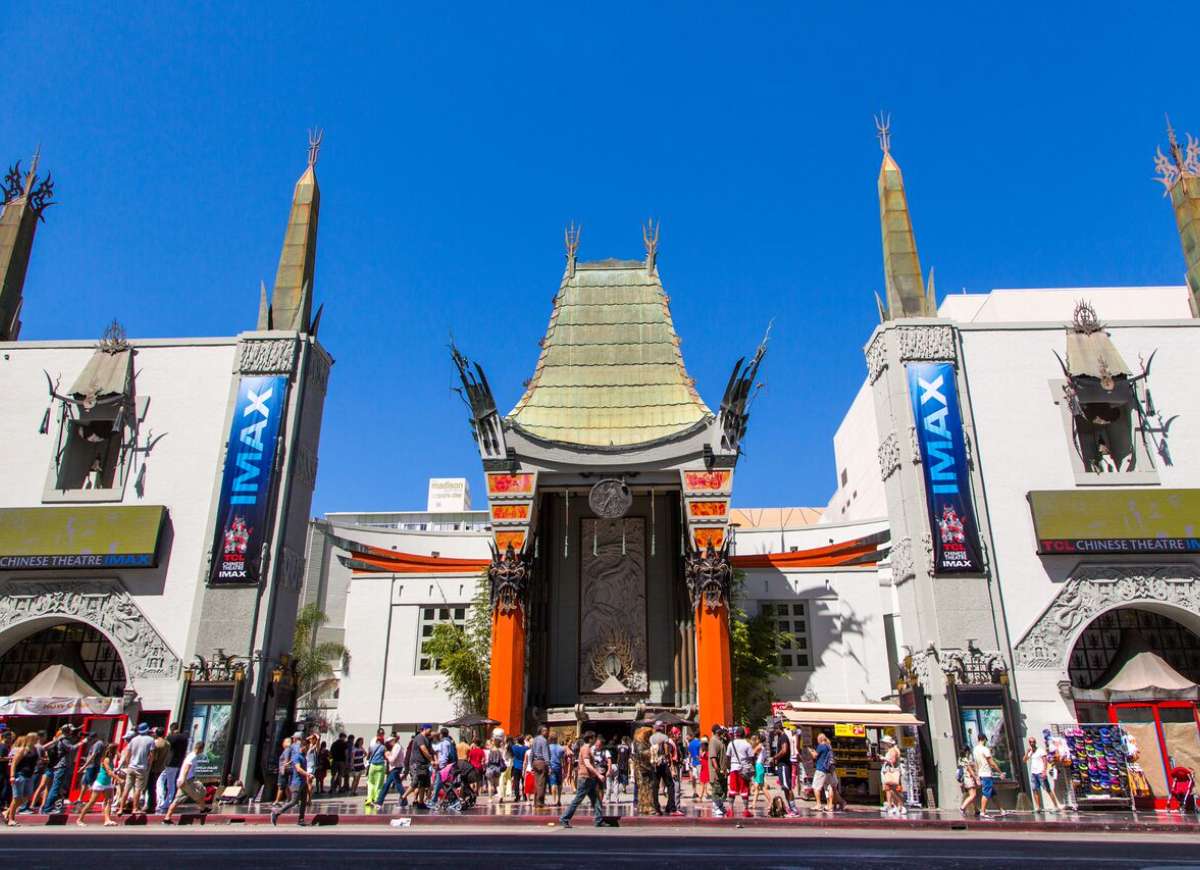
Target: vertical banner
{"type": "Point", "coordinates": [952, 525]}
{"type": "Point", "coordinates": [243, 510]}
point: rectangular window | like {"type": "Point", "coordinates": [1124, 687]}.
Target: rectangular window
{"type": "Point", "coordinates": [791, 617]}
{"type": "Point", "coordinates": [431, 616]}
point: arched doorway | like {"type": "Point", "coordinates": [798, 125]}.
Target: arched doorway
{"type": "Point", "coordinates": [1140, 668]}
{"type": "Point", "coordinates": [77, 645]}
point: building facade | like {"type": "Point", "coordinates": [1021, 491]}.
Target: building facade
{"type": "Point", "coordinates": [154, 513]}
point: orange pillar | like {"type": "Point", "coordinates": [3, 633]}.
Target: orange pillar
{"type": "Point", "coordinates": [714, 668]}
{"type": "Point", "coordinates": [506, 692]}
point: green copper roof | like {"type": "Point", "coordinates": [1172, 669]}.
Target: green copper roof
{"type": "Point", "coordinates": [610, 373]}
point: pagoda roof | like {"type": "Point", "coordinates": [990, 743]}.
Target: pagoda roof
{"type": "Point", "coordinates": [610, 373]}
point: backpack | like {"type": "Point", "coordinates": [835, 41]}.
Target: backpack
{"type": "Point", "coordinates": [656, 754]}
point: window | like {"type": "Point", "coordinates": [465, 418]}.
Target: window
{"type": "Point", "coordinates": [845, 477]}
{"type": "Point", "coordinates": [83, 648]}
{"type": "Point", "coordinates": [791, 617]}
{"type": "Point", "coordinates": [431, 616]}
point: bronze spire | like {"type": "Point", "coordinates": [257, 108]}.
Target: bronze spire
{"type": "Point", "coordinates": [291, 301]}
{"type": "Point", "coordinates": [1179, 174]}
{"type": "Point", "coordinates": [25, 197]}
{"type": "Point", "coordinates": [906, 295]}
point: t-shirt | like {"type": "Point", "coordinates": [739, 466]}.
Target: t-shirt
{"type": "Point", "coordinates": [337, 751]}
{"type": "Point", "coordinates": [741, 755]}
{"type": "Point", "coordinates": [518, 754]}
{"type": "Point", "coordinates": [586, 754]}
{"type": "Point", "coordinates": [378, 753]}
{"type": "Point", "coordinates": [623, 753]}
{"type": "Point", "coordinates": [178, 744]}
{"type": "Point", "coordinates": [3, 762]}
{"type": "Point", "coordinates": [1037, 761]}
{"type": "Point", "coordinates": [540, 749]}
{"type": "Point", "coordinates": [418, 760]}
{"type": "Point", "coordinates": [189, 762]}
{"type": "Point", "coordinates": [139, 751]}
{"type": "Point", "coordinates": [983, 761]}
{"type": "Point", "coordinates": [658, 748]}
{"type": "Point", "coordinates": [298, 759]}
{"type": "Point", "coordinates": [476, 756]}
{"type": "Point", "coordinates": [556, 755]}
{"type": "Point", "coordinates": [65, 758]}
{"type": "Point", "coordinates": [824, 761]}
{"type": "Point", "coordinates": [694, 750]}
{"type": "Point", "coordinates": [446, 752]}
{"type": "Point", "coordinates": [716, 755]}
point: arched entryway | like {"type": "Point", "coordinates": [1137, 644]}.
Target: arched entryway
{"type": "Point", "coordinates": [82, 647]}
{"type": "Point", "coordinates": [1140, 667]}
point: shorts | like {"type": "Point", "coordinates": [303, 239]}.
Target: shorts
{"type": "Point", "coordinates": [136, 779]}
{"type": "Point", "coordinates": [420, 779]}
{"type": "Point", "coordinates": [555, 776]}
{"type": "Point", "coordinates": [1040, 781]}
{"type": "Point", "coordinates": [822, 778]}
{"type": "Point", "coordinates": [760, 773]}
{"type": "Point", "coordinates": [102, 789]}
{"type": "Point", "coordinates": [738, 784]}
{"type": "Point", "coordinates": [24, 786]}
{"type": "Point", "coordinates": [784, 772]}
{"type": "Point", "coordinates": [194, 790]}
{"type": "Point", "coordinates": [987, 789]}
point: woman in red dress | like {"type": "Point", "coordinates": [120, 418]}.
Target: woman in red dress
{"type": "Point", "coordinates": [703, 792]}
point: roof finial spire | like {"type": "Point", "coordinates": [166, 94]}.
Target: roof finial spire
{"type": "Point", "coordinates": [650, 237]}
{"type": "Point", "coordinates": [883, 127]}
{"type": "Point", "coordinates": [1173, 143]}
{"type": "Point", "coordinates": [32, 174]}
{"type": "Point", "coordinates": [315, 135]}
{"type": "Point", "coordinates": [571, 239]}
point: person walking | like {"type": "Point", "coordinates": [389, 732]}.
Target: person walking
{"type": "Point", "coordinates": [60, 758]}
{"type": "Point", "coordinates": [539, 762]}
{"type": "Point", "coordinates": [101, 787]}
{"type": "Point", "coordinates": [158, 762]}
{"type": "Point", "coordinates": [420, 763]}
{"type": "Point", "coordinates": [337, 759]}
{"type": "Point", "coordinates": [283, 775]}
{"type": "Point", "coordinates": [493, 766]}
{"type": "Point", "coordinates": [969, 781]}
{"type": "Point", "coordinates": [556, 769]}
{"type": "Point", "coordinates": [519, 750]}
{"type": "Point", "coordinates": [168, 780]}
{"type": "Point", "coordinates": [504, 784]}
{"type": "Point", "coordinates": [824, 774]}
{"type": "Point", "coordinates": [761, 759]}
{"type": "Point", "coordinates": [300, 780]}
{"type": "Point", "coordinates": [590, 778]}
{"type": "Point", "coordinates": [447, 756]}
{"type": "Point", "coordinates": [376, 768]}
{"type": "Point", "coordinates": [23, 762]}
{"type": "Point", "coordinates": [135, 765]}
{"type": "Point", "coordinates": [985, 769]}
{"type": "Point", "coordinates": [889, 777]}
{"type": "Point", "coordinates": [1038, 761]}
{"type": "Point", "coordinates": [358, 763]}
{"type": "Point", "coordinates": [397, 752]}
{"type": "Point", "coordinates": [187, 787]}
{"type": "Point", "coordinates": [718, 770]}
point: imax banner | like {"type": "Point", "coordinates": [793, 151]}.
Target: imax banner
{"type": "Point", "coordinates": [243, 511]}
{"type": "Point", "coordinates": [947, 479]}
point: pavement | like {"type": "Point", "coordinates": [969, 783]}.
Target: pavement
{"type": "Point", "coordinates": [233, 847]}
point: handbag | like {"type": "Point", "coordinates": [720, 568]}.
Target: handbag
{"type": "Point", "coordinates": [891, 775]}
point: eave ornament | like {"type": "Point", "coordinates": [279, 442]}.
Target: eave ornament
{"type": "Point", "coordinates": [509, 576]}
{"type": "Point", "coordinates": [973, 666]}
{"type": "Point", "coordinates": [709, 576]}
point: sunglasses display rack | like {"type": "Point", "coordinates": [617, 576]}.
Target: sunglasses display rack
{"type": "Point", "coordinates": [1099, 768]}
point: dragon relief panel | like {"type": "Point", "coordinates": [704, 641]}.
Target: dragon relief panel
{"type": "Point", "coordinates": [612, 602]}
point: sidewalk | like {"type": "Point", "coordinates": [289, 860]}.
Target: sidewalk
{"type": "Point", "coordinates": [353, 811]}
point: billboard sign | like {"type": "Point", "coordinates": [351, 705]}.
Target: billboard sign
{"type": "Point", "coordinates": [244, 507]}
{"type": "Point", "coordinates": [1116, 521]}
{"type": "Point", "coordinates": [952, 524]}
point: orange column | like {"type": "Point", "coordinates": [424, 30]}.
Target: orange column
{"type": "Point", "coordinates": [714, 668]}
{"type": "Point", "coordinates": [506, 693]}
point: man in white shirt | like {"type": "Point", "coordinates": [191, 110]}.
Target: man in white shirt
{"type": "Point", "coordinates": [985, 768]}
{"type": "Point", "coordinates": [741, 770]}
{"type": "Point", "coordinates": [187, 787]}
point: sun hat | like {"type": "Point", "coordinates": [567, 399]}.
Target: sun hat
{"type": "Point", "coordinates": [143, 728]}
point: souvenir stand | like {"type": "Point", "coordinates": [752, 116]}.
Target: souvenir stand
{"type": "Point", "coordinates": [1098, 775]}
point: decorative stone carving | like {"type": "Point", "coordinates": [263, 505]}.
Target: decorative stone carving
{"type": "Point", "coordinates": [612, 596]}
{"type": "Point", "coordinates": [318, 369]}
{"type": "Point", "coordinates": [973, 666]}
{"type": "Point", "coordinates": [306, 466]}
{"type": "Point", "coordinates": [927, 548]}
{"type": "Point", "coordinates": [610, 498]}
{"type": "Point", "coordinates": [876, 357]}
{"type": "Point", "coordinates": [927, 343]}
{"type": "Point", "coordinates": [889, 455]}
{"type": "Point", "coordinates": [1091, 591]}
{"type": "Point", "coordinates": [903, 568]}
{"type": "Point", "coordinates": [509, 576]}
{"type": "Point", "coordinates": [708, 575]}
{"type": "Point", "coordinates": [105, 605]}
{"type": "Point", "coordinates": [267, 356]}
{"type": "Point", "coordinates": [920, 667]}
{"type": "Point", "coordinates": [914, 445]}
{"type": "Point", "coordinates": [291, 568]}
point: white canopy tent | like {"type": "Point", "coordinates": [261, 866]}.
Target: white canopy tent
{"type": "Point", "coordinates": [59, 691]}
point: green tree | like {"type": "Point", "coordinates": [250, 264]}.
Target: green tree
{"type": "Point", "coordinates": [312, 659]}
{"type": "Point", "coordinates": [754, 646]}
{"type": "Point", "coordinates": [463, 653]}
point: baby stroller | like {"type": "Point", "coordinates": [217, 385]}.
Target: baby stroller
{"type": "Point", "coordinates": [1181, 789]}
{"type": "Point", "coordinates": [460, 789]}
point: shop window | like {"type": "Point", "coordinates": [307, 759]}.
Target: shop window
{"type": "Point", "coordinates": [791, 617]}
{"type": "Point", "coordinates": [429, 617]}
{"type": "Point", "coordinates": [982, 712]}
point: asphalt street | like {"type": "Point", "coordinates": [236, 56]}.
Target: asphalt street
{"type": "Point", "coordinates": [225, 849]}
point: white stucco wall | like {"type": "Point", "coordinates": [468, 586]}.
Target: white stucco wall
{"type": "Point", "coordinates": [855, 451]}
{"type": "Point", "coordinates": [187, 382]}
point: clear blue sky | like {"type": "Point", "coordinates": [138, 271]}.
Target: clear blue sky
{"type": "Point", "coordinates": [459, 143]}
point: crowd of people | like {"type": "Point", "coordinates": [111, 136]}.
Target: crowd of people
{"type": "Point", "coordinates": [430, 770]}
{"type": "Point", "coordinates": [150, 772]}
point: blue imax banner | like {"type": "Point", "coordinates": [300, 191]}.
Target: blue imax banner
{"type": "Point", "coordinates": [243, 511]}
{"type": "Point", "coordinates": [943, 457]}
